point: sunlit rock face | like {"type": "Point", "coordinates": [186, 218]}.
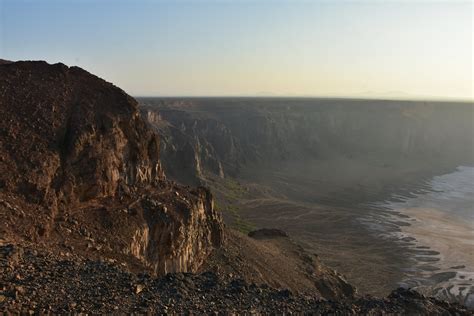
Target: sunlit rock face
{"type": "Point", "coordinates": [73, 144]}
{"type": "Point", "coordinates": [178, 237]}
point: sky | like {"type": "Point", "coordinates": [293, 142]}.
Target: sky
{"type": "Point", "coordinates": [392, 49]}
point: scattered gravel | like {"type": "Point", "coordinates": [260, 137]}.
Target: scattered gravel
{"type": "Point", "coordinates": [37, 281]}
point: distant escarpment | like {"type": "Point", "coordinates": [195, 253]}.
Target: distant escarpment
{"type": "Point", "coordinates": [80, 169]}
{"type": "Point", "coordinates": [225, 136]}
{"type": "Point", "coordinates": [193, 145]}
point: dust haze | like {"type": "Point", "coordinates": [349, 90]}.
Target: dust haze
{"type": "Point", "coordinates": [317, 168]}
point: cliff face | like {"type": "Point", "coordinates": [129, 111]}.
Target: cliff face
{"type": "Point", "coordinates": [235, 133]}
{"type": "Point", "coordinates": [75, 151]}
{"type": "Point", "coordinates": [70, 136]}
{"type": "Point", "coordinates": [193, 146]}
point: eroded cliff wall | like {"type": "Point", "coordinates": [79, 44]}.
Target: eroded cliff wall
{"type": "Point", "coordinates": [228, 134]}
{"type": "Point", "coordinates": [80, 168]}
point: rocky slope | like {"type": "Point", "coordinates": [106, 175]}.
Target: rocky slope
{"type": "Point", "coordinates": [80, 169]}
{"type": "Point", "coordinates": [33, 281]}
{"type": "Point", "coordinates": [270, 256]}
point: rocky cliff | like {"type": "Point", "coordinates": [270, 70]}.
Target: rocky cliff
{"type": "Point", "coordinates": [228, 135]}
{"type": "Point", "coordinates": [78, 161]}
{"type": "Point", "coordinates": [194, 145]}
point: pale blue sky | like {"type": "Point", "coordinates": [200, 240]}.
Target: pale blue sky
{"type": "Point", "coordinates": [313, 48]}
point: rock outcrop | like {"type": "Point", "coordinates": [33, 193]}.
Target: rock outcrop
{"type": "Point", "coordinates": [69, 136]}
{"type": "Point", "coordinates": [80, 167]}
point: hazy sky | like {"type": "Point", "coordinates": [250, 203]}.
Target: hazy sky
{"type": "Point", "coordinates": [312, 48]}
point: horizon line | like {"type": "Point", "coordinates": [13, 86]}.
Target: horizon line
{"type": "Point", "coordinates": [368, 98]}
